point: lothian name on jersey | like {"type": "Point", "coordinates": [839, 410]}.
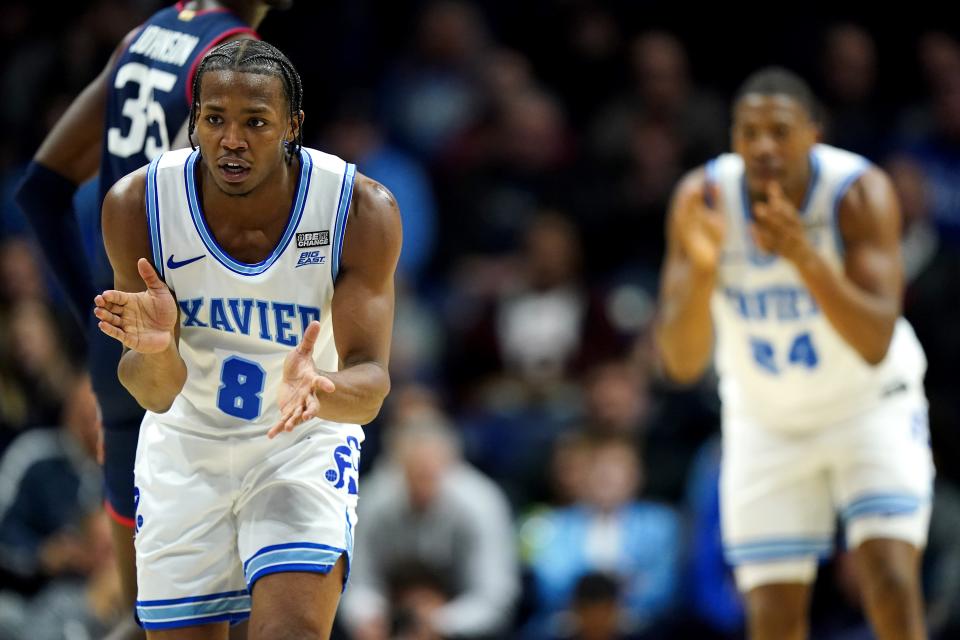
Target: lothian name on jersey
{"type": "Point", "coordinates": [281, 322]}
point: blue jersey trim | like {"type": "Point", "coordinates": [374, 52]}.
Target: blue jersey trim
{"type": "Point", "coordinates": [777, 549]}
{"type": "Point", "coordinates": [812, 185]}
{"type": "Point", "coordinates": [343, 212]}
{"type": "Point", "coordinates": [882, 504]}
{"type": "Point", "coordinates": [170, 613]}
{"type": "Point", "coordinates": [210, 596]}
{"type": "Point", "coordinates": [710, 173]}
{"type": "Point", "coordinates": [291, 545]}
{"type": "Point", "coordinates": [190, 622]}
{"type": "Point", "coordinates": [288, 567]}
{"type": "Point", "coordinates": [291, 556]}
{"type": "Point", "coordinates": [838, 198]}
{"type": "Point", "coordinates": [200, 223]}
{"type": "Point", "coordinates": [153, 216]}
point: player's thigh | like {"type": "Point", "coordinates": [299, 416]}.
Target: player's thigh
{"type": "Point", "coordinates": [297, 509]}
{"type": "Point", "coordinates": [295, 604]}
{"type": "Point", "coordinates": [778, 601]}
{"type": "Point", "coordinates": [188, 567]}
{"type": "Point", "coordinates": [776, 509]}
{"type": "Point", "coordinates": [883, 473]}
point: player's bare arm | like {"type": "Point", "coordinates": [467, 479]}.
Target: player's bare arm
{"type": "Point", "coordinates": [362, 307]}
{"type": "Point", "coordinates": [863, 301]}
{"type": "Point", "coordinates": [69, 155]}
{"type": "Point", "coordinates": [695, 232]}
{"type": "Point", "coordinates": [140, 311]}
{"type": "Point", "coordinates": [73, 146]}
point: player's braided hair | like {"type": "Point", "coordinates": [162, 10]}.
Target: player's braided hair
{"type": "Point", "coordinates": [253, 56]}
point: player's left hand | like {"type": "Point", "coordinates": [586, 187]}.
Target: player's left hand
{"type": "Point", "coordinates": [777, 227]}
{"type": "Point", "coordinates": [301, 383]}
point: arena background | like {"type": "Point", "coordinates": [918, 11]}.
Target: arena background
{"type": "Point", "coordinates": [533, 146]}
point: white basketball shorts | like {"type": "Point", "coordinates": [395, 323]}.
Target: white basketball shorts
{"type": "Point", "coordinates": [781, 492]}
{"type": "Point", "coordinates": [214, 515]}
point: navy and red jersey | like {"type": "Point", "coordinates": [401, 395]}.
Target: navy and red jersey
{"type": "Point", "coordinates": [148, 102]}
{"type": "Point", "coordinates": [151, 85]}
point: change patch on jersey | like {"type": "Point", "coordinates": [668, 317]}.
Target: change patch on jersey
{"type": "Point", "coordinates": [313, 239]}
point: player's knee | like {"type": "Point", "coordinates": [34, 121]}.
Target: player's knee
{"type": "Point", "coordinates": [889, 570]}
{"type": "Point", "coordinates": [290, 627]}
{"type": "Point", "coordinates": [775, 612]}
{"type": "Point", "coordinates": [891, 582]}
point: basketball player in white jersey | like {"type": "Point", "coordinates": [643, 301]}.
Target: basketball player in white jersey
{"type": "Point", "coordinates": [254, 298]}
{"type": "Point", "coordinates": [783, 263]}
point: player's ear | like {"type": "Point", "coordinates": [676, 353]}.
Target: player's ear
{"type": "Point", "coordinates": [816, 132]}
{"type": "Point", "coordinates": [295, 127]}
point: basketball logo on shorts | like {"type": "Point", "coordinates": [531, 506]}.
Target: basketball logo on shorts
{"type": "Point", "coordinates": [347, 460]}
{"type": "Point", "coordinates": [138, 519]}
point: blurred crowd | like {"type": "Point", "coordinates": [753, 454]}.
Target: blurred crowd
{"type": "Point", "coordinates": [532, 474]}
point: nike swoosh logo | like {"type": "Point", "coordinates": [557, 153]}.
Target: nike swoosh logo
{"type": "Point", "coordinates": [172, 264]}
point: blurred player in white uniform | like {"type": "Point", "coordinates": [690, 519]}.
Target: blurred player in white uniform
{"type": "Point", "coordinates": [783, 263]}
{"type": "Point", "coordinates": [254, 298]}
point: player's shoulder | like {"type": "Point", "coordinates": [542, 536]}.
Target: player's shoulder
{"type": "Point", "coordinates": [127, 194]}
{"type": "Point", "coordinates": [714, 171]}
{"type": "Point", "coordinates": [838, 159]}
{"type": "Point", "coordinates": [374, 232]}
{"type": "Point", "coordinates": [871, 191]}
{"type": "Point", "coordinates": [375, 196]}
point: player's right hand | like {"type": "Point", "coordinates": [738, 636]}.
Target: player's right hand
{"type": "Point", "coordinates": [702, 228]}
{"type": "Point", "coordinates": [142, 321]}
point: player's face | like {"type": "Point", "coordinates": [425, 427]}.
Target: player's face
{"type": "Point", "coordinates": [773, 134]}
{"type": "Point", "coordinates": [243, 122]}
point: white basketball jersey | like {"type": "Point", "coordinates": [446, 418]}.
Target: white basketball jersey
{"type": "Point", "coordinates": [779, 358]}
{"type": "Point", "coordinates": [239, 321]}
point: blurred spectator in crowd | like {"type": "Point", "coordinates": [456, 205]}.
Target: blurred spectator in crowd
{"type": "Point", "coordinates": [596, 612]}
{"type": "Point", "coordinates": [642, 141]}
{"type": "Point", "coordinates": [417, 593]}
{"type": "Point", "coordinates": [432, 94]}
{"type": "Point", "coordinates": [930, 268]}
{"type": "Point", "coordinates": [50, 69]}
{"type": "Point", "coordinates": [36, 369]}
{"type": "Point", "coordinates": [76, 607]}
{"type": "Point", "coordinates": [520, 349]}
{"type": "Point", "coordinates": [48, 480]}
{"type": "Point", "coordinates": [920, 242]}
{"type": "Point", "coordinates": [931, 135]}
{"type": "Point", "coordinates": [355, 136]}
{"type": "Point", "coordinates": [21, 276]}
{"type": "Point", "coordinates": [419, 339]}
{"type": "Point", "coordinates": [540, 322]}
{"type": "Point", "coordinates": [609, 530]}
{"type": "Point", "coordinates": [619, 402]}
{"type": "Point", "coordinates": [941, 563]}
{"type": "Point", "coordinates": [423, 504]}
{"type": "Point", "coordinates": [662, 92]}
{"type": "Point", "coordinates": [854, 118]}
{"type": "Point", "coordinates": [498, 176]}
